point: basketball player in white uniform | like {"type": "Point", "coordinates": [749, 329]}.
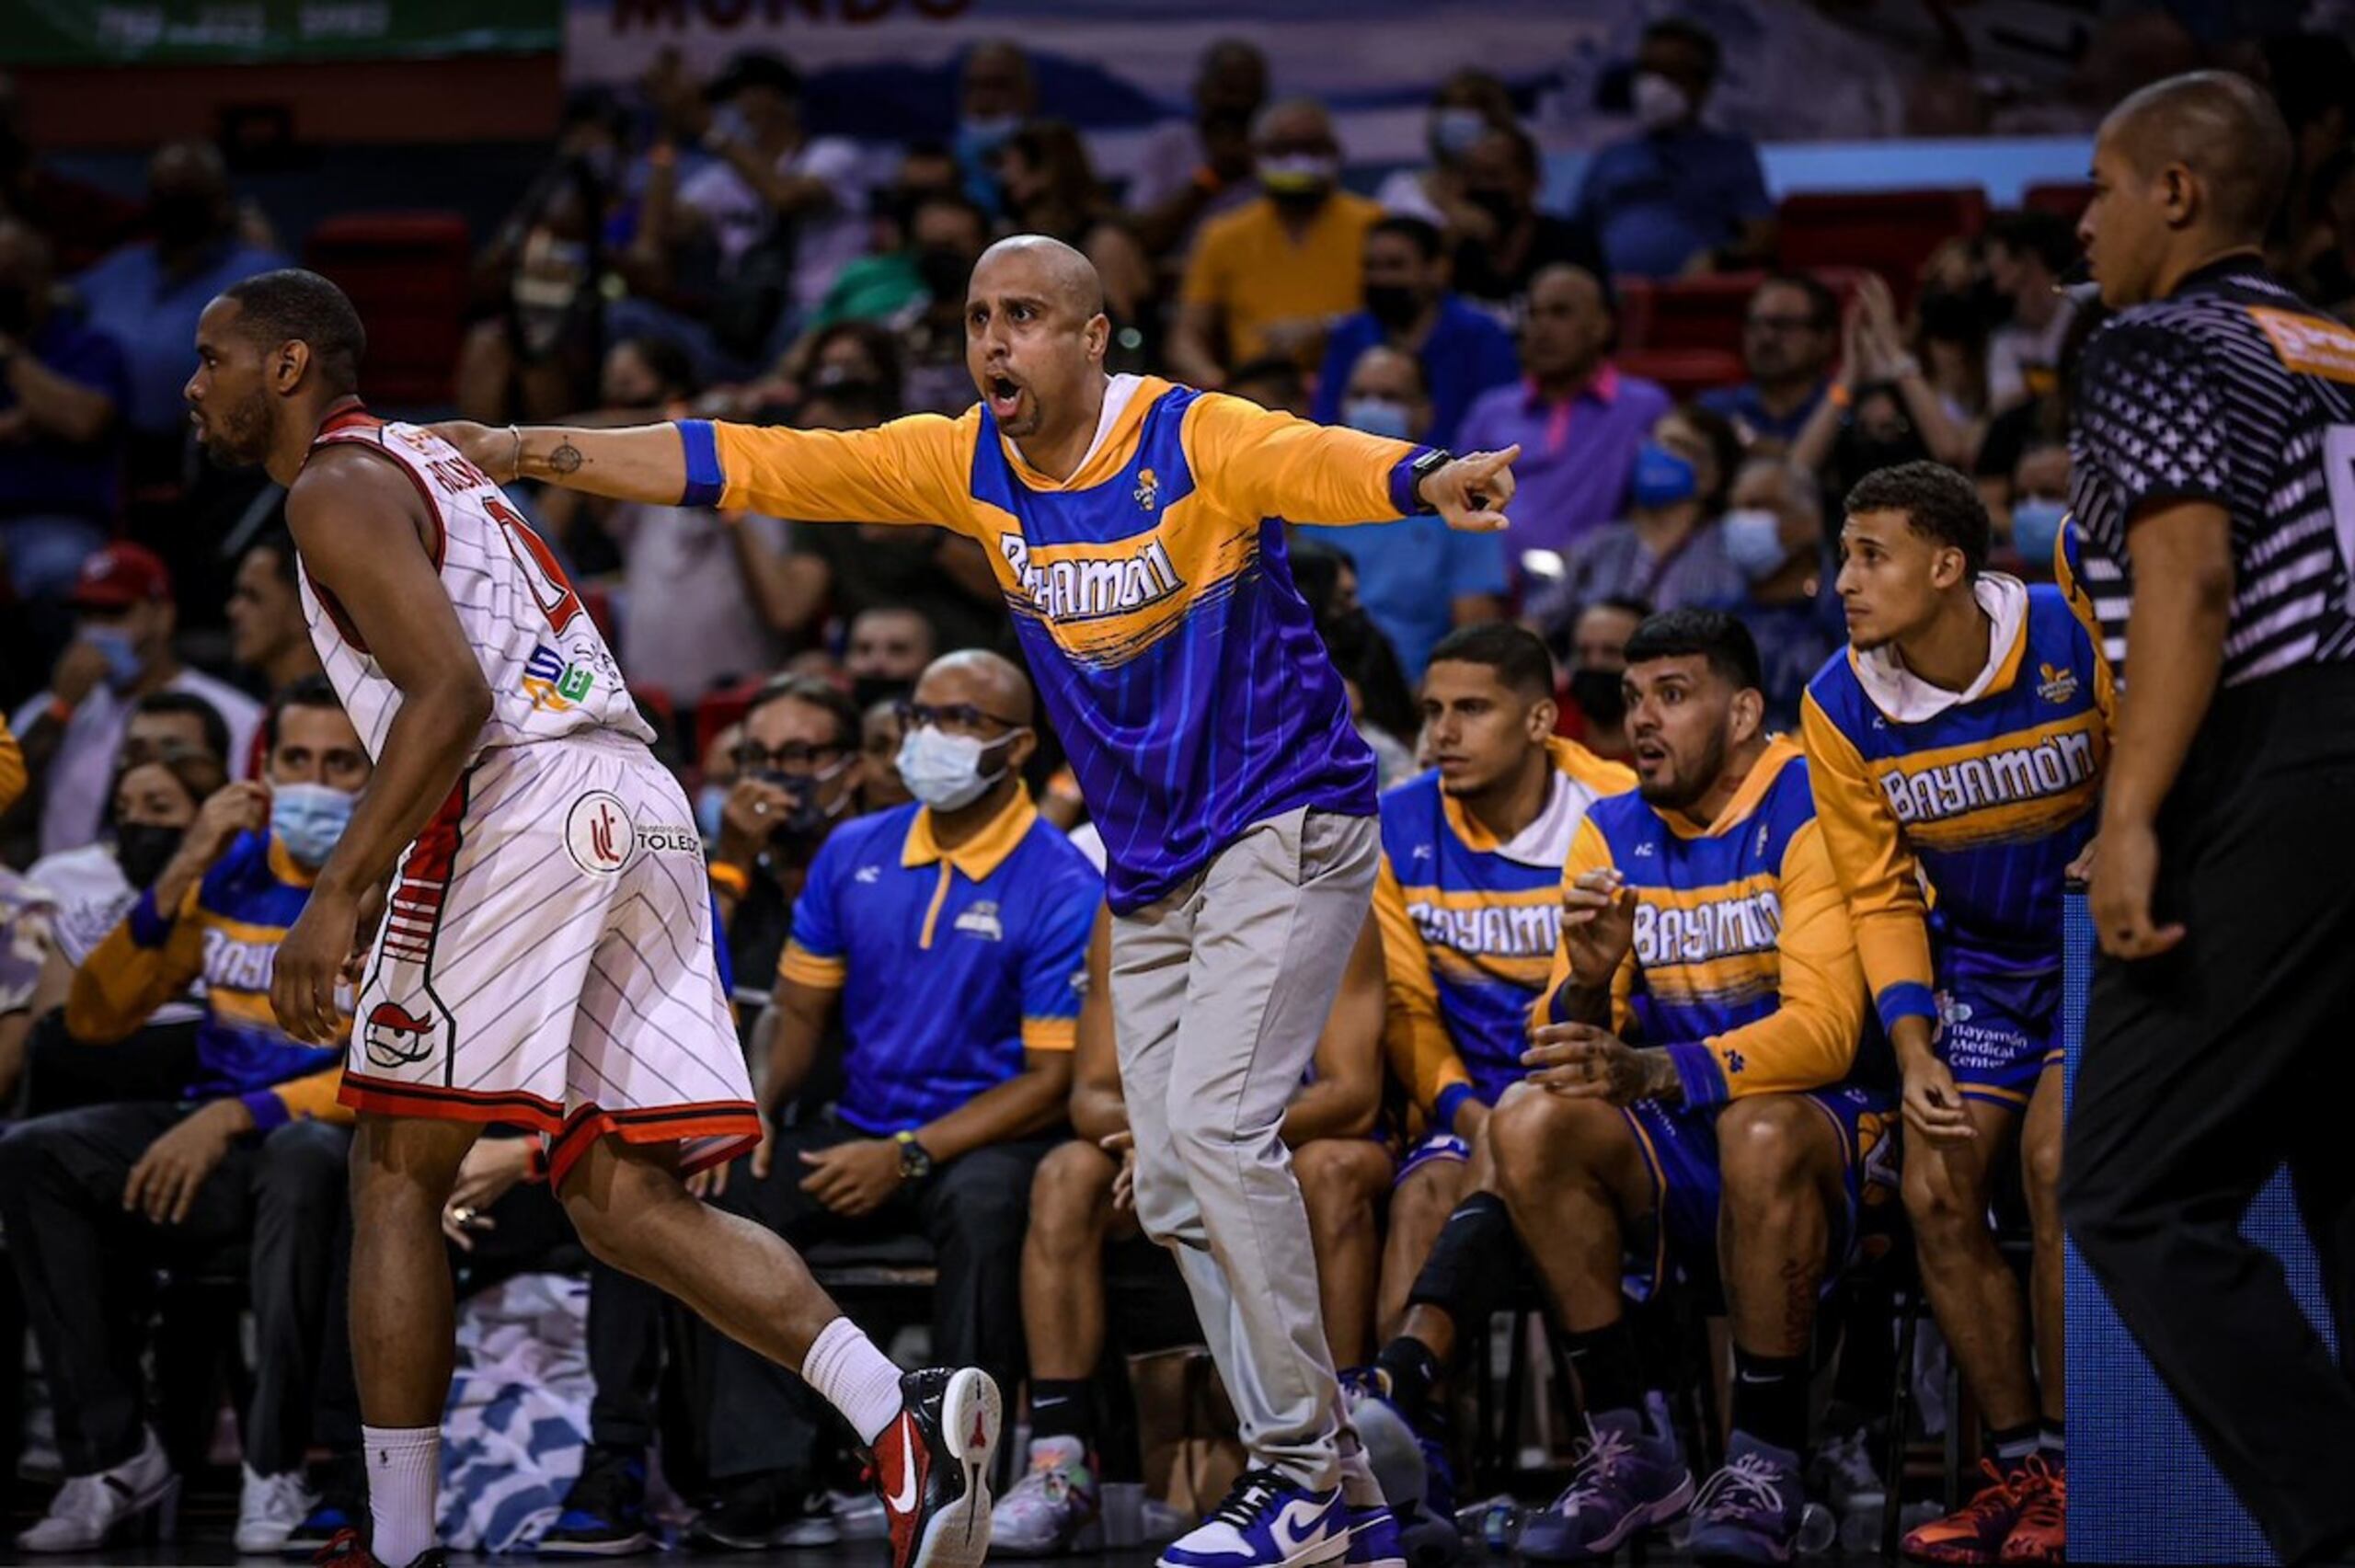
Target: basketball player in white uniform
{"type": "Point", "coordinates": [546, 959]}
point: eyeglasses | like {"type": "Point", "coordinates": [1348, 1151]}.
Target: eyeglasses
{"type": "Point", "coordinates": [791, 758]}
{"type": "Point", "coordinates": [954, 717]}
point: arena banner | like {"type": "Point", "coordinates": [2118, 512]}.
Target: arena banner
{"type": "Point", "coordinates": [215, 32]}
{"type": "Point", "coordinates": [883, 69]}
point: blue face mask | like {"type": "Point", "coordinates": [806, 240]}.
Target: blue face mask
{"type": "Point", "coordinates": [309, 818]}
{"type": "Point", "coordinates": [121, 653]}
{"type": "Point", "coordinates": [2035, 525]}
{"type": "Point", "coordinates": [1662, 478]}
{"type": "Point", "coordinates": [709, 802]}
{"type": "Point", "coordinates": [1453, 131]}
{"type": "Point", "coordinates": [1754, 542]}
{"type": "Point", "coordinates": [1376, 416]}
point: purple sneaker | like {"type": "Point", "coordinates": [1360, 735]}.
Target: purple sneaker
{"type": "Point", "coordinates": [1624, 1480]}
{"type": "Point", "coordinates": [1749, 1511]}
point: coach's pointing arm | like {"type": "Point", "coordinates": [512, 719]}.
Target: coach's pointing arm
{"type": "Point", "coordinates": [361, 528]}
{"type": "Point", "coordinates": [906, 471]}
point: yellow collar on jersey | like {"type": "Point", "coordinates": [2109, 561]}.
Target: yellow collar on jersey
{"type": "Point", "coordinates": [1780, 753]}
{"type": "Point", "coordinates": [982, 854]}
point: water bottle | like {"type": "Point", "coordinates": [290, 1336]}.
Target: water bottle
{"type": "Point", "coordinates": [1495, 1524]}
{"type": "Point", "coordinates": [1818, 1527]}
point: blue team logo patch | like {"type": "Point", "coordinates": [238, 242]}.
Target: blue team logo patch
{"type": "Point", "coordinates": [2059, 684]}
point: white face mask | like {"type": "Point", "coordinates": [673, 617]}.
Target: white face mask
{"type": "Point", "coordinates": [944, 771]}
{"type": "Point", "coordinates": [1659, 103]}
{"type": "Point", "coordinates": [1754, 542]}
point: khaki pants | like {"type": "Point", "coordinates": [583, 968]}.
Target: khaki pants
{"type": "Point", "coordinates": [1220, 991]}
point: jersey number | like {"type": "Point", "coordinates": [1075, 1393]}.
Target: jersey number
{"type": "Point", "coordinates": [549, 585]}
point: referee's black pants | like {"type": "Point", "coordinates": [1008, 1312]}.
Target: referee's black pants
{"type": "Point", "coordinates": [2205, 1070]}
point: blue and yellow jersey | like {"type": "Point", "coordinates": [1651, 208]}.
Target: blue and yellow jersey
{"type": "Point", "coordinates": [1957, 817]}
{"type": "Point", "coordinates": [1469, 926]}
{"type": "Point", "coordinates": [1744, 964]}
{"type": "Point", "coordinates": [1150, 590]}
{"type": "Point", "coordinates": [951, 963]}
{"type": "Point", "coordinates": [226, 930]}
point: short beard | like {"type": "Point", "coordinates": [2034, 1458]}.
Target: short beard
{"type": "Point", "coordinates": [242, 438]}
{"type": "Point", "coordinates": [1685, 791]}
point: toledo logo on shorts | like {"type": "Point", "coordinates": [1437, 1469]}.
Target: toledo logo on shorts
{"type": "Point", "coordinates": [599, 833]}
{"type": "Point", "coordinates": [394, 1036]}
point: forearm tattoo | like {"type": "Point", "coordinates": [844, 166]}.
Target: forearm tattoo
{"type": "Point", "coordinates": [564, 459]}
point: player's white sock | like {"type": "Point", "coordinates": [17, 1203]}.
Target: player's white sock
{"type": "Point", "coordinates": [857, 1379]}
{"type": "Point", "coordinates": [404, 1468]}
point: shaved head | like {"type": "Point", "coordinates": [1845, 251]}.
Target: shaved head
{"type": "Point", "coordinates": [2223, 128]}
{"type": "Point", "coordinates": [990, 682]}
{"type": "Point", "coordinates": [1066, 276]}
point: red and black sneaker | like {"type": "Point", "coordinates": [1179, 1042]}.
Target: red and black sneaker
{"type": "Point", "coordinates": [346, 1550]}
{"type": "Point", "coordinates": [931, 1465]}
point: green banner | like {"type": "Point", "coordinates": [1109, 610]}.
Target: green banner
{"type": "Point", "coordinates": [215, 32]}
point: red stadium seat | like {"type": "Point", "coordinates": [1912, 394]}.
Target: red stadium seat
{"type": "Point", "coordinates": [1702, 314]}
{"type": "Point", "coordinates": [718, 709]}
{"type": "Point", "coordinates": [2066, 199]}
{"type": "Point", "coordinates": [1889, 232]}
{"type": "Point", "coordinates": [1688, 313]}
{"type": "Point", "coordinates": [407, 274]}
{"type": "Point", "coordinates": [1683, 371]}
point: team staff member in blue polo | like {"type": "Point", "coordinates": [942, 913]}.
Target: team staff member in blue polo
{"type": "Point", "coordinates": [953, 934]}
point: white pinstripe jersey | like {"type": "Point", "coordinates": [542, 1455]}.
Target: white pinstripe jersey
{"type": "Point", "coordinates": [550, 672]}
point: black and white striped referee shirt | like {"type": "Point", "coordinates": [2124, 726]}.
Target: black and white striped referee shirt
{"type": "Point", "coordinates": [2232, 390]}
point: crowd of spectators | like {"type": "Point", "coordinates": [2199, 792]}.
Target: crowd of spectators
{"type": "Point", "coordinates": [699, 247]}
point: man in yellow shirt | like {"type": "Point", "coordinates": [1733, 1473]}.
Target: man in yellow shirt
{"type": "Point", "coordinates": [1266, 279]}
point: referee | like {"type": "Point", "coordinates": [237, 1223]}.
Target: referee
{"type": "Point", "coordinates": [2215, 458]}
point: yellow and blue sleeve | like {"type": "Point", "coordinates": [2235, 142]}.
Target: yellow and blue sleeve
{"type": "Point", "coordinates": [1589, 851]}
{"type": "Point", "coordinates": [309, 1099]}
{"type": "Point", "coordinates": [911, 470]}
{"type": "Point", "coordinates": [1269, 465]}
{"type": "Point", "coordinates": [1054, 967]}
{"type": "Point", "coordinates": [1811, 1038]}
{"type": "Point", "coordinates": [1869, 857]}
{"type": "Point", "coordinates": [12, 768]}
{"type": "Point", "coordinates": [813, 954]}
{"type": "Point", "coordinates": [146, 960]}
{"type": "Point", "coordinates": [1422, 1055]}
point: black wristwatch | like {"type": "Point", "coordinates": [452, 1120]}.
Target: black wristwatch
{"type": "Point", "coordinates": [915, 1160]}
{"type": "Point", "coordinates": [1421, 469]}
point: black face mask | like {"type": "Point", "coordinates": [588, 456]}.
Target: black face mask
{"type": "Point", "coordinates": [142, 850]}
{"type": "Point", "coordinates": [944, 271]}
{"type": "Point", "coordinates": [1395, 305]}
{"type": "Point", "coordinates": [182, 217]}
{"type": "Point", "coordinates": [1600, 695]}
{"type": "Point", "coordinates": [865, 691]}
{"type": "Point", "coordinates": [16, 310]}
{"type": "Point", "coordinates": [806, 816]}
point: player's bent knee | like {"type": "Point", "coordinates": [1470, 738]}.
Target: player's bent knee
{"type": "Point", "coordinates": [1533, 1135]}
{"type": "Point", "coordinates": [1340, 1173]}
{"type": "Point", "coordinates": [2041, 1163]}
{"type": "Point", "coordinates": [1771, 1145]}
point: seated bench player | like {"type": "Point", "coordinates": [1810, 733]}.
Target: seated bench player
{"type": "Point", "coordinates": [1468, 899]}
{"type": "Point", "coordinates": [1740, 1143]}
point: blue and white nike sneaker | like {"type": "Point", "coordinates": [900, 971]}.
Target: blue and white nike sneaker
{"type": "Point", "coordinates": [1268, 1522]}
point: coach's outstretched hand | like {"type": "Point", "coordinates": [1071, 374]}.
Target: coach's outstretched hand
{"type": "Point", "coordinates": [1470, 493]}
